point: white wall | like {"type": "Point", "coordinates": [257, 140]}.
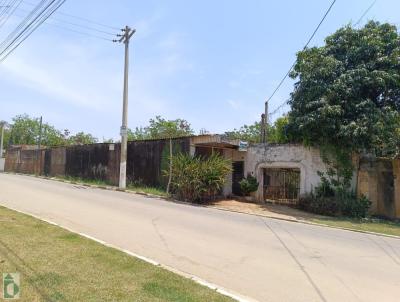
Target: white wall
{"type": "Point", "coordinates": [308, 160]}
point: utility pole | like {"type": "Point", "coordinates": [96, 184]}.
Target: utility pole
{"type": "Point", "coordinates": [262, 138]}
{"type": "Point", "coordinates": [266, 120]}
{"type": "Point", "coordinates": [38, 155]}
{"type": "Point", "coordinates": [124, 38]}
{"type": "Point", "coordinates": [2, 124]}
{"type": "Point", "coordinates": [40, 133]}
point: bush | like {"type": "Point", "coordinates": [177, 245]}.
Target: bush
{"type": "Point", "coordinates": [319, 205]}
{"type": "Point", "coordinates": [342, 204]}
{"type": "Point", "coordinates": [351, 206]}
{"type": "Point", "coordinates": [248, 185]}
{"type": "Point", "coordinates": [196, 179]}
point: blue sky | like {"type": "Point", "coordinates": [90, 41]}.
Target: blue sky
{"type": "Point", "coordinates": [211, 62]}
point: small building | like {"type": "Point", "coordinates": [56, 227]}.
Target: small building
{"type": "Point", "coordinates": [285, 172]}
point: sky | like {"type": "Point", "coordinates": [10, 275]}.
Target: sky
{"type": "Point", "coordinates": [213, 63]}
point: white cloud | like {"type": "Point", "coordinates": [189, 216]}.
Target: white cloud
{"type": "Point", "coordinates": [236, 105]}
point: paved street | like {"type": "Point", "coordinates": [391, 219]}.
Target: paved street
{"type": "Point", "coordinates": [265, 259]}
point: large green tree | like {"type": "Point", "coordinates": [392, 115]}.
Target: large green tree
{"type": "Point", "coordinates": [276, 133]}
{"type": "Point", "coordinates": [26, 130]}
{"type": "Point", "coordinates": [347, 93]}
{"type": "Point", "coordinates": [161, 128]}
{"type": "Point", "coordinates": [81, 138]}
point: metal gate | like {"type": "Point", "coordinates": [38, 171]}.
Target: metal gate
{"type": "Point", "coordinates": [282, 185]}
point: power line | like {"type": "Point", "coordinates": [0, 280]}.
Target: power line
{"type": "Point", "coordinates": [34, 19]}
{"type": "Point", "coordinates": [79, 32]}
{"type": "Point", "coordinates": [50, 22]}
{"type": "Point", "coordinates": [291, 67]}
{"type": "Point", "coordinates": [10, 13]}
{"type": "Point", "coordinates": [77, 25]}
{"type": "Point", "coordinates": [365, 12]}
{"type": "Point", "coordinates": [80, 18]}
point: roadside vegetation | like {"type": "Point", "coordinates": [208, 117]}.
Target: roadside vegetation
{"type": "Point", "coordinates": [130, 187]}
{"type": "Point", "coordinates": [88, 271]}
{"type": "Point", "coordinates": [381, 226]}
{"type": "Point", "coordinates": [147, 190]}
{"type": "Point", "coordinates": [198, 179]}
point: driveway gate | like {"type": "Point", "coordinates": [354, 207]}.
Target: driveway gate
{"type": "Point", "coordinates": [282, 185]}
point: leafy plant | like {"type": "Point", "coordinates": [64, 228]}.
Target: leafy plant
{"type": "Point", "coordinates": [252, 133]}
{"type": "Point", "coordinates": [347, 91]}
{"type": "Point", "coordinates": [161, 128]}
{"type": "Point", "coordinates": [351, 206]}
{"type": "Point", "coordinates": [197, 179]}
{"type": "Point", "coordinates": [248, 185]}
{"type": "Point", "coordinates": [326, 200]}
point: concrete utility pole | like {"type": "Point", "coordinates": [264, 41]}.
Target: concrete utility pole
{"type": "Point", "coordinates": [2, 124]}
{"type": "Point", "coordinates": [38, 155]}
{"type": "Point", "coordinates": [40, 133]}
{"type": "Point", "coordinates": [266, 120]}
{"type": "Point", "coordinates": [125, 38]}
{"type": "Point", "coordinates": [262, 138]}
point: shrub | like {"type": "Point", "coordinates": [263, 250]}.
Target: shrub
{"type": "Point", "coordinates": [196, 179]}
{"type": "Point", "coordinates": [342, 203]}
{"type": "Point", "coordinates": [248, 185]}
{"type": "Point", "coordinates": [351, 206]}
{"type": "Point", "coordinates": [319, 205]}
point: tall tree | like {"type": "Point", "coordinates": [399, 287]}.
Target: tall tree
{"type": "Point", "coordinates": [161, 128]}
{"type": "Point", "coordinates": [81, 138]}
{"type": "Point", "coordinates": [347, 93]}
{"type": "Point", "coordinates": [26, 130]}
{"type": "Point", "coordinates": [252, 133]}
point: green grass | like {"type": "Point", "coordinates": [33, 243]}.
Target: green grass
{"type": "Point", "coordinates": [148, 190]}
{"type": "Point", "coordinates": [57, 265]}
{"type": "Point", "coordinates": [371, 225]}
{"type": "Point", "coordinates": [80, 180]}
{"type": "Point", "coordinates": [131, 187]}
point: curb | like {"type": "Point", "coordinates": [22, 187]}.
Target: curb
{"type": "Point", "coordinates": [111, 188]}
{"type": "Point", "coordinates": [200, 281]}
{"type": "Point", "coordinates": [309, 223]}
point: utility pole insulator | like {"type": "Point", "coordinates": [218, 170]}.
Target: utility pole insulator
{"type": "Point", "coordinates": [125, 38]}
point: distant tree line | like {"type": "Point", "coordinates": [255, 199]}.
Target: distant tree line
{"type": "Point", "coordinates": [25, 130]}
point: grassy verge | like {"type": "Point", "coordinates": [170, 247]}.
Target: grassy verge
{"type": "Point", "coordinates": [130, 187]}
{"type": "Point", "coordinates": [79, 180]}
{"type": "Point", "coordinates": [56, 265]}
{"type": "Point", "coordinates": [148, 190]}
{"type": "Point", "coordinates": [370, 225]}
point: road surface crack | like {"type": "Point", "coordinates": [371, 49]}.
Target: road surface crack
{"type": "Point", "coordinates": [299, 264]}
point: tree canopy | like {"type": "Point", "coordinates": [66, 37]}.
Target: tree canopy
{"type": "Point", "coordinates": [347, 92]}
{"type": "Point", "coordinates": [25, 130]}
{"type": "Point", "coordinates": [277, 132]}
{"type": "Point", "coordinates": [161, 128]}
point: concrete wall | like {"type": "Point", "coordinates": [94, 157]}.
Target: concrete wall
{"type": "Point", "coordinates": [24, 160]}
{"type": "Point", "coordinates": [379, 181]}
{"type": "Point", "coordinates": [2, 163]}
{"type": "Point", "coordinates": [307, 160]}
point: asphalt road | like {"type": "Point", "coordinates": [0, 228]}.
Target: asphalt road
{"type": "Point", "coordinates": [261, 258]}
